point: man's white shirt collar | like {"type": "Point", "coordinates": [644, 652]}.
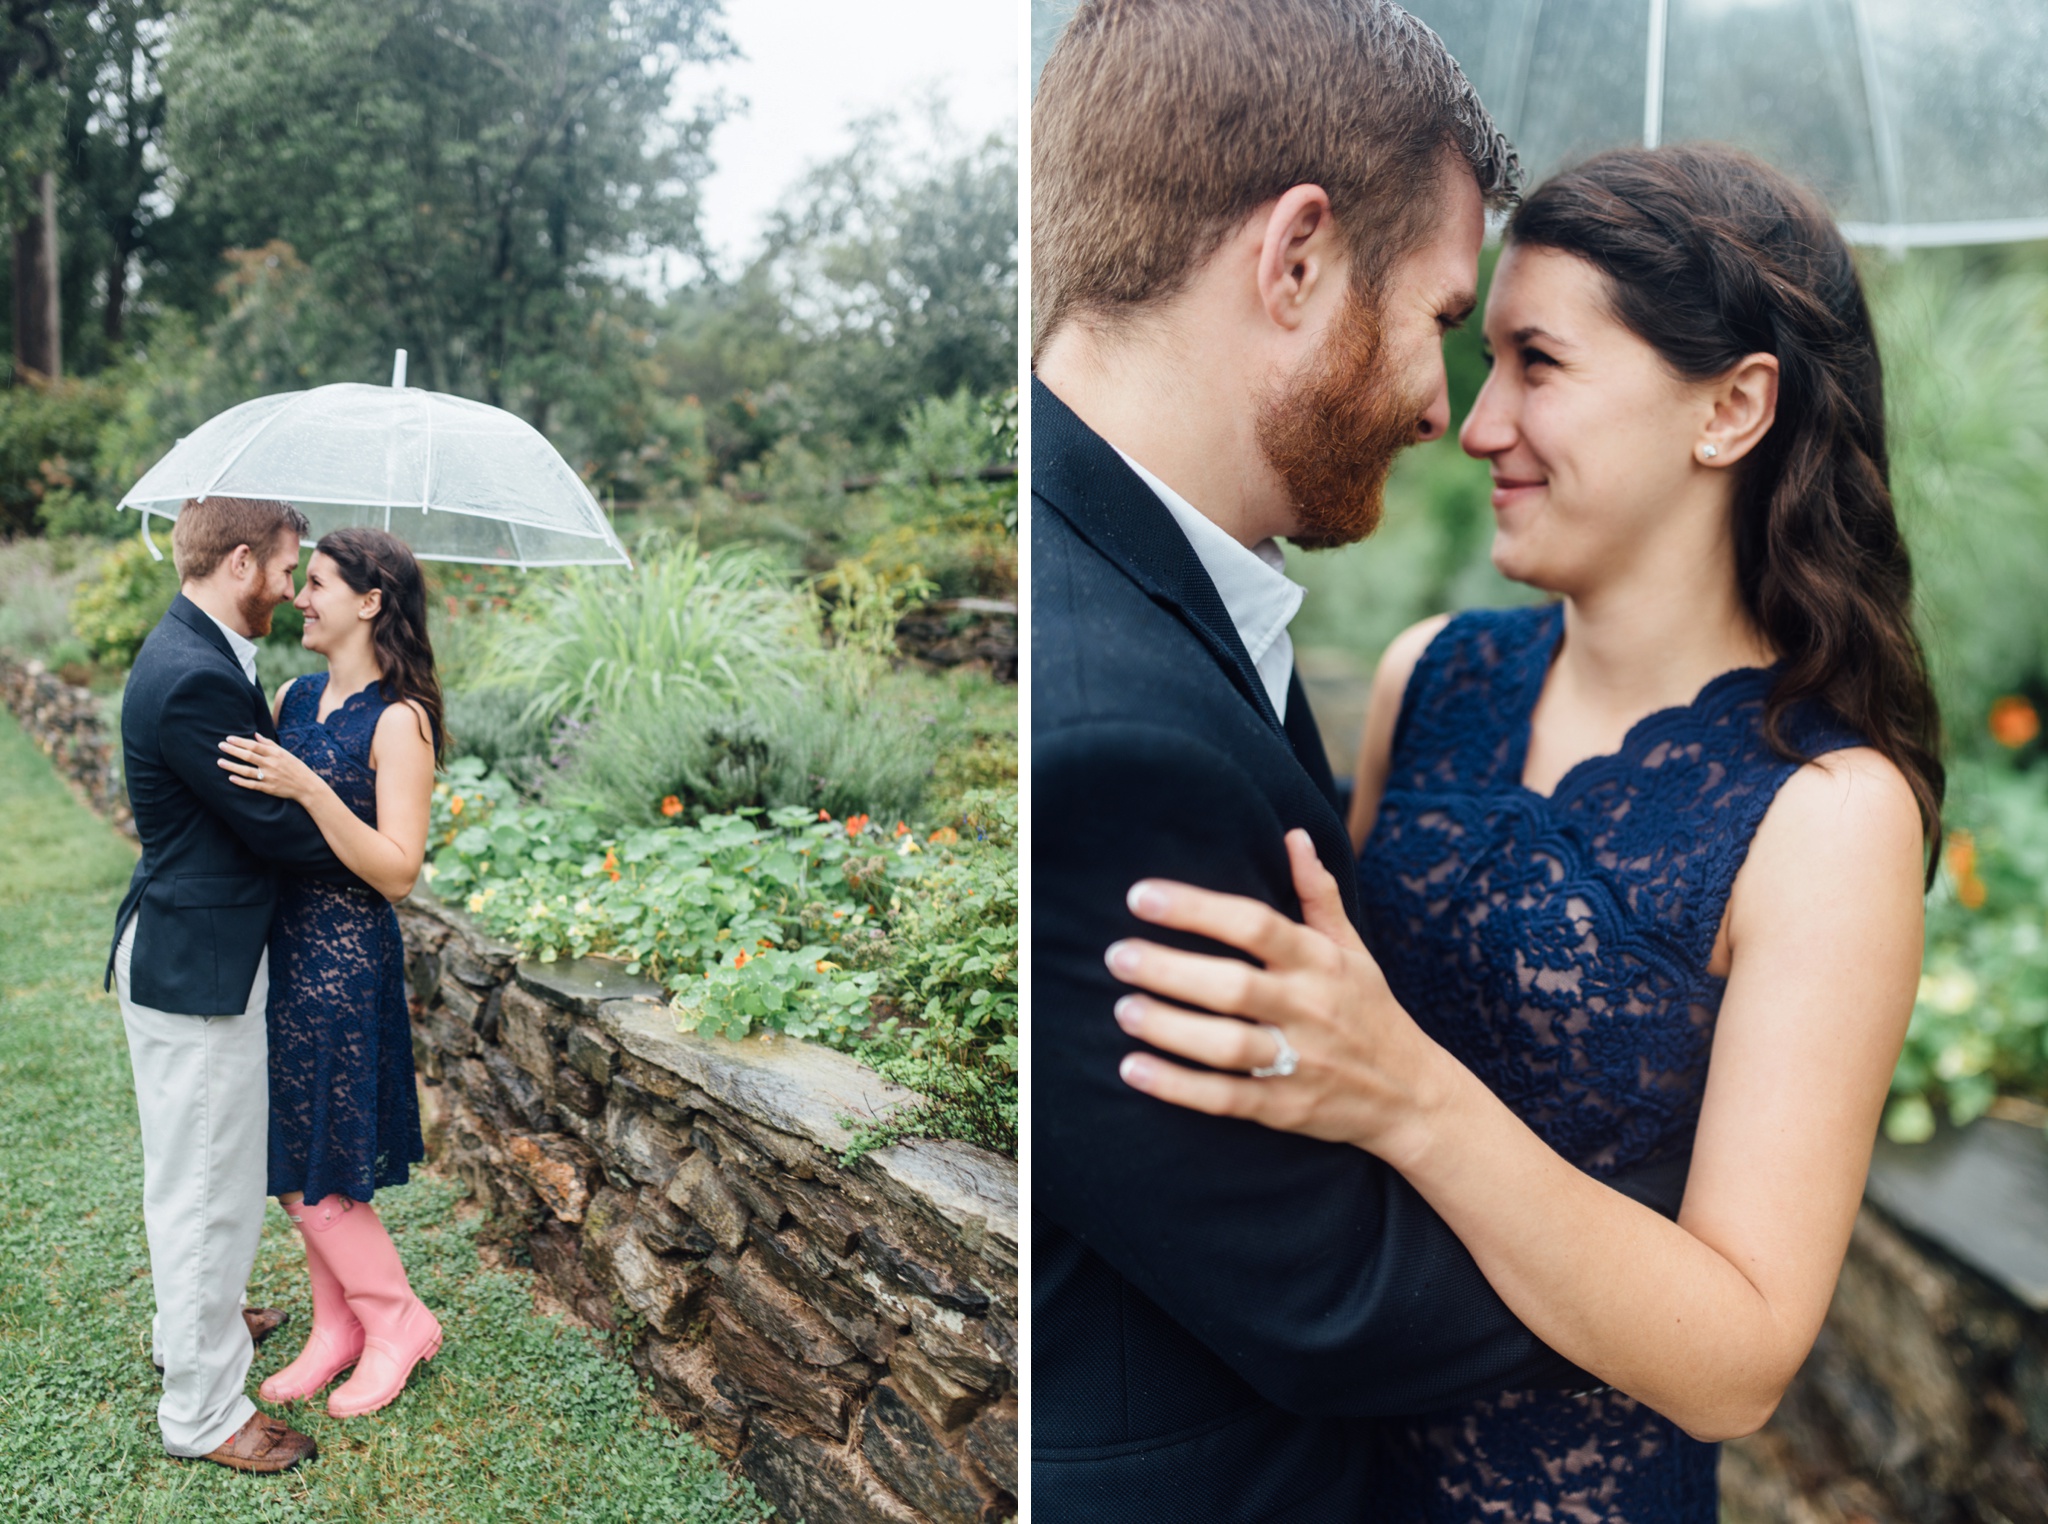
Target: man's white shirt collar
{"type": "Point", "coordinates": [1253, 583]}
{"type": "Point", "coordinates": [243, 647]}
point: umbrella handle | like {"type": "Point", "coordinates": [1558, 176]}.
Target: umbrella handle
{"type": "Point", "coordinates": [154, 553]}
{"type": "Point", "coordinates": [398, 370]}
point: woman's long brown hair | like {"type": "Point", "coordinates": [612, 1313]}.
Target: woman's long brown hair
{"type": "Point", "coordinates": [370, 560]}
{"type": "Point", "coordinates": [1711, 255]}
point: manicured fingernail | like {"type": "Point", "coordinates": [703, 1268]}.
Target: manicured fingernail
{"type": "Point", "coordinates": [1136, 1071]}
{"type": "Point", "coordinates": [1130, 1015]}
{"type": "Point", "coordinates": [1146, 899]}
{"type": "Point", "coordinates": [1122, 958]}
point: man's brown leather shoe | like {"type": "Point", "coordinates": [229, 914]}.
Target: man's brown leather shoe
{"type": "Point", "coordinates": [263, 1444]}
{"type": "Point", "coordinates": [262, 1323]}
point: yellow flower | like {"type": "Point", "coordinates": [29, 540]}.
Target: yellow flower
{"type": "Point", "coordinates": [826, 965]}
{"type": "Point", "coordinates": [454, 805]}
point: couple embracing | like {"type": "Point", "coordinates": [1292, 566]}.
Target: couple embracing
{"type": "Point", "coordinates": [259, 966]}
{"type": "Point", "coordinates": [1486, 1147]}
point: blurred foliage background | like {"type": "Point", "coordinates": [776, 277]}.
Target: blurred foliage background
{"type": "Point", "coordinates": [1965, 343]}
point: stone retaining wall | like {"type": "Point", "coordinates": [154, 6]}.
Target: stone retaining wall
{"type": "Point", "coordinates": [66, 721]}
{"type": "Point", "coordinates": [846, 1334]}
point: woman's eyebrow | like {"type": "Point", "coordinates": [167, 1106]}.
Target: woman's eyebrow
{"type": "Point", "coordinates": [1525, 334]}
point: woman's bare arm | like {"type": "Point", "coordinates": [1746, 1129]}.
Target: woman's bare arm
{"type": "Point", "coordinates": [387, 855]}
{"type": "Point", "coordinates": [1382, 714]}
{"type": "Point", "coordinates": [1705, 1319]}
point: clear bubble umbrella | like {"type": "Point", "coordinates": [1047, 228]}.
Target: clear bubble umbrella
{"type": "Point", "coordinates": [1924, 122]}
{"type": "Point", "coordinates": [456, 480]}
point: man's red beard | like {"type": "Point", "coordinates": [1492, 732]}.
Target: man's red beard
{"type": "Point", "coordinates": [256, 607]}
{"type": "Point", "coordinates": [1333, 428]}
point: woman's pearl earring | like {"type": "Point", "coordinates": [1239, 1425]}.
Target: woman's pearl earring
{"type": "Point", "coordinates": [1708, 452]}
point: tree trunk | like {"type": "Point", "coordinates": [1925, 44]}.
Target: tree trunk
{"type": "Point", "coordinates": [117, 295]}
{"type": "Point", "coordinates": [38, 350]}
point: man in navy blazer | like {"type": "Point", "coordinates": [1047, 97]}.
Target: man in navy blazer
{"type": "Point", "coordinates": [190, 963]}
{"type": "Point", "coordinates": [1252, 222]}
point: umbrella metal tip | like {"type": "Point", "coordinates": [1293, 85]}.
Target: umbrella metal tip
{"type": "Point", "coordinates": [398, 369]}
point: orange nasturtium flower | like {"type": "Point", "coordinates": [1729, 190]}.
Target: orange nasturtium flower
{"type": "Point", "coordinates": [944, 836]}
{"type": "Point", "coordinates": [901, 829]}
{"type": "Point", "coordinates": [856, 824]}
{"type": "Point", "coordinates": [611, 864]}
{"type": "Point", "coordinates": [739, 959]}
{"type": "Point", "coordinates": [455, 805]}
{"type": "Point", "coordinates": [671, 806]}
{"type": "Point", "coordinates": [1961, 854]}
{"type": "Point", "coordinates": [824, 814]}
{"type": "Point", "coordinates": [2014, 721]}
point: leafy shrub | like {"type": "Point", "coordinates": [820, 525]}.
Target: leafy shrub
{"type": "Point", "coordinates": [681, 621]}
{"type": "Point", "coordinates": [1980, 1024]}
{"type": "Point", "coordinates": [896, 944]}
{"type": "Point", "coordinates": [953, 960]}
{"type": "Point", "coordinates": [49, 438]}
{"type": "Point", "coordinates": [115, 611]}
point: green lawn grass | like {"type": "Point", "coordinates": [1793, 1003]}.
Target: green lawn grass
{"type": "Point", "coordinates": [521, 1417]}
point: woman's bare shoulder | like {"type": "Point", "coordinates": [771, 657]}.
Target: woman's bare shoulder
{"type": "Point", "coordinates": [405, 723]}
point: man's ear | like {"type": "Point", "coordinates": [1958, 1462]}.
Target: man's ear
{"type": "Point", "coordinates": [1298, 256]}
{"type": "Point", "coordinates": [241, 561]}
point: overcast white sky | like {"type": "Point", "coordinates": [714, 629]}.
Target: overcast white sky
{"type": "Point", "coordinates": [811, 66]}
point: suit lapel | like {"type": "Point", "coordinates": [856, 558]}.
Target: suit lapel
{"type": "Point", "coordinates": [1077, 475]}
{"type": "Point", "coordinates": [197, 620]}
{"type": "Point", "coordinates": [1307, 740]}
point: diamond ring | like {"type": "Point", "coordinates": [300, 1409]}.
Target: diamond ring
{"type": "Point", "coordinates": [259, 775]}
{"type": "Point", "coordinates": [1284, 1059]}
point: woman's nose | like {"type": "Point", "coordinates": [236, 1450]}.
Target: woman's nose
{"type": "Point", "coordinates": [1489, 429]}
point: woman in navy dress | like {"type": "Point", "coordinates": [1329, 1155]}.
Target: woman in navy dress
{"type": "Point", "coordinates": [1641, 870]}
{"type": "Point", "coordinates": [357, 746]}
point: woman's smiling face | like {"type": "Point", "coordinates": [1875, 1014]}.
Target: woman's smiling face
{"type": "Point", "coordinates": [332, 608]}
{"type": "Point", "coordinates": [1589, 434]}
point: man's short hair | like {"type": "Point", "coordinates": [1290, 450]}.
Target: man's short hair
{"type": "Point", "coordinates": [208, 529]}
{"type": "Point", "coordinates": [1160, 125]}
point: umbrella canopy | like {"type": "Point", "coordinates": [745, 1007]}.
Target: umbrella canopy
{"type": "Point", "coordinates": [1921, 121]}
{"type": "Point", "coordinates": [456, 480]}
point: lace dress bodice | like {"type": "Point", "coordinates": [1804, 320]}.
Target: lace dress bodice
{"type": "Point", "coordinates": [344, 1115]}
{"type": "Point", "coordinates": [1559, 945]}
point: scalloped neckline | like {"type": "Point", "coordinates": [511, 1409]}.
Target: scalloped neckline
{"type": "Point", "coordinates": [326, 722]}
{"type": "Point", "coordinates": [1631, 742]}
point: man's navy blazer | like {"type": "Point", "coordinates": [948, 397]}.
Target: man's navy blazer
{"type": "Point", "coordinates": [1219, 1310]}
{"type": "Point", "coordinates": [206, 887]}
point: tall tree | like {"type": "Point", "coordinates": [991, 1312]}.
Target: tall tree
{"type": "Point", "coordinates": [456, 174]}
{"type": "Point", "coordinates": [32, 57]}
{"type": "Point", "coordinates": [113, 148]}
{"type": "Point", "coordinates": [900, 270]}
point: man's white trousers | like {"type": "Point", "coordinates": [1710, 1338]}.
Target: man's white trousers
{"type": "Point", "coordinates": [202, 1088]}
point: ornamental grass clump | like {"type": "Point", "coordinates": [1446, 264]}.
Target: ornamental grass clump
{"type": "Point", "coordinates": [716, 624]}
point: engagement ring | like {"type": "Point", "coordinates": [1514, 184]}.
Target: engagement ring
{"type": "Point", "coordinates": [1284, 1060]}
{"type": "Point", "coordinates": [259, 775]}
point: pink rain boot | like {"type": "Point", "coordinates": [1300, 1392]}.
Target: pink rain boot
{"type": "Point", "coordinates": [336, 1341]}
{"type": "Point", "coordinates": [398, 1331]}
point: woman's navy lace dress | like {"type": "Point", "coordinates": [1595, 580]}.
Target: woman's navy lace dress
{"type": "Point", "coordinates": [344, 1115]}
{"type": "Point", "coordinates": [1559, 946]}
